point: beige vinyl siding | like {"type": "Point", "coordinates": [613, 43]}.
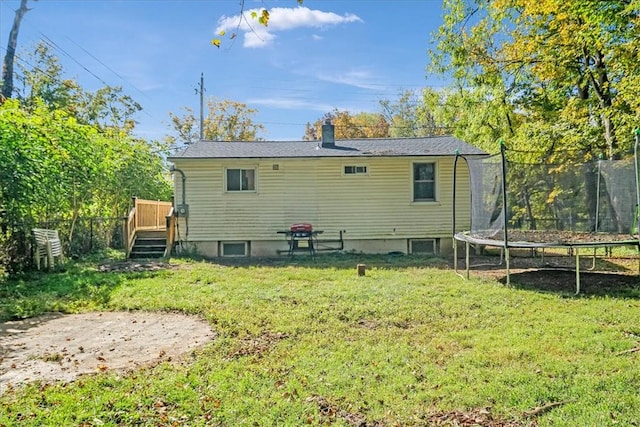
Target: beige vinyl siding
{"type": "Point", "coordinates": [375, 205]}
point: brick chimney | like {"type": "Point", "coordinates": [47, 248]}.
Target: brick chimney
{"type": "Point", "coordinates": [328, 135]}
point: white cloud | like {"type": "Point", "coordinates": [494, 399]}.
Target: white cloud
{"type": "Point", "coordinates": [291, 104]}
{"type": "Point", "coordinates": [258, 38]}
{"type": "Point", "coordinates": [362, 79]}
{"type": "Point", "coordinates": [280, 19]}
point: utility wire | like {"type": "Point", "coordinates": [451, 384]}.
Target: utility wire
{"type": "Point", "coordinates": [108, 68]}
{"type": "Point", "coordinates": [54, 45]}
{"type": "Point", "coordinates": [57, 47]}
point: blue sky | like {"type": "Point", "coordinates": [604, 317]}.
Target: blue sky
{"type": "Point", "coordinates": [310, 60]}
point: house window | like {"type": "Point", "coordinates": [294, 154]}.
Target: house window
{"type": "Point", "coordinates": [241, 180]}
{"type": "Point", "coordinates": [424, 182]}
{"type": "Point", "coordinates": [233, 249]}
{"type": "Point", "coordinates": [353, 170]}
{"type": "Point", "coordinates": [423, 246]}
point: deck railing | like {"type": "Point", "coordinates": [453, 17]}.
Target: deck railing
{"type": "Point", "coordinates": [148, 215]}
{"type": "Point", "coordinates": [151, 214]}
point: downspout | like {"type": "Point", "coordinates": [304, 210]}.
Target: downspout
{"type": "Point", "coordinates": [184, 196]}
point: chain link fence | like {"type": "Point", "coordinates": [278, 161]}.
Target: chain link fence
{"type": "Point", "coordinates": [80, 237]}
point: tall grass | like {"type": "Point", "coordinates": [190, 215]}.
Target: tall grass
{"type": "Point", "coordinates": [310, 342]}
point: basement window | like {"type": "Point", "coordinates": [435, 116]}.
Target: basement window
{"type": "Point", "coordinates": [233, 249]}
{"type": "Point", "coordinates": [423, 246]}
{"type": "Point", "coordinates": [355, 170]}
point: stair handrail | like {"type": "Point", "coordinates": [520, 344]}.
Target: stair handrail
{"type": "Point", "coordinates": [171, 231]}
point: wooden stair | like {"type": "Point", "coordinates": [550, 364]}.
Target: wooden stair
{"type": "Point", "coordinates": [149, 244]}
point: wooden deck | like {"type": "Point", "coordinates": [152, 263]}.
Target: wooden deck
{"type": "Point", "coordinates": [150, 216]}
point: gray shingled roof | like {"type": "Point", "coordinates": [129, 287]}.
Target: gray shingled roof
{"type": "Point", "coordinates": [390, 147]}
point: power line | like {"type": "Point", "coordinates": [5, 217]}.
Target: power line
{"type": "Point", "coordinates": [108, 68]}
{"type": "Point", "coordinates": [50, 42]}
{"type": "Point", "coordinates": [54, 45]}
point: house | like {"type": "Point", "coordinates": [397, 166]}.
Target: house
{"type": "Point", "coordinates": [371, 195]}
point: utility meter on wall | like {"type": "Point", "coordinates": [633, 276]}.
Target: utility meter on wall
{"type": "Point", "coordinates": [182, 210]}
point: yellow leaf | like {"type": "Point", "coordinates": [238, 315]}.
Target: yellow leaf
{"type": "Point", "coordinates": [254, 14]}
{"type": "Point", "coordinates": [222, 33]}
{"type": "Point", "coordinates": [216, 42]}
{"type": "Point", "coordinates": [264, 19]}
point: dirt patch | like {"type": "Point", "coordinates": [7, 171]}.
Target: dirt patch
{"type": "Point", "coordinates": [60, 347]}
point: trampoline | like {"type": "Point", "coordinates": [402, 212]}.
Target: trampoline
{"type": "Point", "coordinates": [547, 200]}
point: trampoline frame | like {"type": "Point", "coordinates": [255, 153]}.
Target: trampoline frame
{"type": "Point", "coordinates": [505, 244]}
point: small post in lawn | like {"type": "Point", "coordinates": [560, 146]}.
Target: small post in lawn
{"type": "Point", "coordinates": [361, 268]}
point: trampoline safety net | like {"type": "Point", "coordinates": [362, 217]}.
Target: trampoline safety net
{"type": "Point", "coordinates": [552, 199]}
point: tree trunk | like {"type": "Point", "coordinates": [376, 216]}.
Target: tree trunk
{"type": "Point", "coordinates": [601, 86]}
{"type": "Point", "coordinates": [7, 66]}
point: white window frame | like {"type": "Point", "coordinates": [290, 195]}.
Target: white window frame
{"type": "Point", "coordinates": [435, 182]}
{"type": "Point", "coordinates": [358, 170]}
{"type": "Point", "coordinates": [241, 169]}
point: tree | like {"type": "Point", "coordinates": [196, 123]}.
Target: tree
{"type": "Point", "coordinates": [225, 121]}
{"type": "Point", "coordinates": [108, 107]}
{"type": "Point", "coordinates": [55, 168]}
{"type": "Point", "coordinates": [479, 116]}
{"type": "Point", "coordinates": [12, 44]}
{"type": "Point", "coordinates": [348, 126]}
{"type": "Point", "coordinates": [44, 82]}
{"type": "Point", "coordinates": [409, 116]}
{"type": "Point", "coordinates": [568, 68]}
{"type": "Point", "coordinates": [545, 76]}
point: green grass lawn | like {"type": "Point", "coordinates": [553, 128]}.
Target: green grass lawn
{"type": "Point", "coordinates": [309, 342]}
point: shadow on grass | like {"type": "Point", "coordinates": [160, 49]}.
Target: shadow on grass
{"type": "Point", "coordinates": [612, 277]}
{"type": "Point", "coordinates": [337, 260]}
{"type": "Point", "coordinates": [612, 284]}
{"type": "Point", "coordinates": [36, 293]}
{"type": "Point", "coordinates": [89, 284]}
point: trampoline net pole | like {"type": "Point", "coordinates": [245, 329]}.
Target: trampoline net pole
{"type": "Point", "coordinates": [467, 245]}
{"type": "Point", "coordinates": [505, 225]}
{"type": "Point", "coordinates": [577, 270]}
{"type": "Point", "coordinates": [453, 218]}
{"type": "Point", "coordinates": [637, 178]}
{"type": "Point", "coordinates": [507, 258]}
